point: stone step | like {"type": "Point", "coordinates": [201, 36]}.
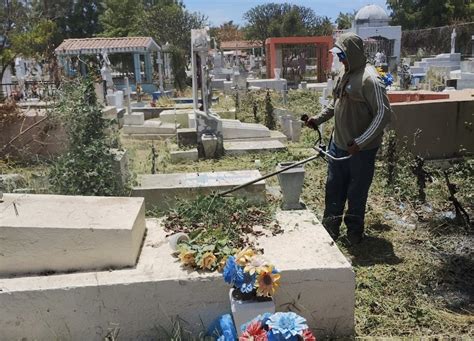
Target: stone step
{"type": "Point", "coordinates": [43, 233]}
{"type": "Point", "coordinates": [244, 147]}
{"type": "Point", "coordinates": [161, 190]}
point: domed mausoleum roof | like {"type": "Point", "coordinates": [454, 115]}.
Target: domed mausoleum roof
{"type": "Point", "coordinates": [371, 14]}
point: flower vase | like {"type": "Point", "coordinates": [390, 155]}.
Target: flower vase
{"type": "Point", "coordinates": [291, 183]}
{"type": "Point", "coordinates": [244, 311]}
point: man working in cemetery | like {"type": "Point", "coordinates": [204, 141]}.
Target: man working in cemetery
{"type": "Point", "coordinates": [361, 111]}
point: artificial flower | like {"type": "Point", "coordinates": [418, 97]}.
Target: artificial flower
{"type": "Point", "coordinates": [308, 335]}
{"type": "Point", "coordinates": [287, 325]}
{"type": "Point", "coordinates": [248, 283]}
{"type": "Point", "coordinates": [187, 257]}
{"type": "Point", "coordinates": [222, 264]}
{"type": "Point", "coordinates": [208, 260]}
{"type": "Point", "coordinates": [254, 332]}
{"type": "Point", "coordinates": [255, 265]}
{"type": "Point", "coordinates": [262, 319]}
{"type": "Point", "coordinates": [233, 274]}
{"type": "Point", "coordinates": [244, 256]}
{"type": "Point", "coordinates": [268, 281]}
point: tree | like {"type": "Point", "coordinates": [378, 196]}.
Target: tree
{"type": "Point", "coordinates": [430, 13]}
{"type": "Point", "coordinates": [174, 24]}
{"type": "Point", "coordinates": [121, 18]}
{"type": "Point", "coordinates": [228, 31]}
{"type": "Point", "coordinates": [21, 32]}
{"type": "Point", "coordinates": [279, 20]}
{"type": "Point", "coordinates": [174, 27]}
{"type": "Point", "coordinates": [73, 18]}
{"type": "Point", "coordinates": [344, 20]}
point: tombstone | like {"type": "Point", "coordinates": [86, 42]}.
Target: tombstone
{"type": "Point", "coordinates": [472, 46]}
{"type": "Point", "coordinates": [207, 123]}
{"type": "Point", "coordinates": [453, 41]}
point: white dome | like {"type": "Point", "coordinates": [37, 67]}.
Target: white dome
{"type": "Point", "coordinates": [371, 13]}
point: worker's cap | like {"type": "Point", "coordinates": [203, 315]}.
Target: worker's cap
{"type": "Point", "coordinates": [338, 52]}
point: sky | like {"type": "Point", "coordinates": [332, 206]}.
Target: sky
{"type": "Point", "coordinates": [222, 11]}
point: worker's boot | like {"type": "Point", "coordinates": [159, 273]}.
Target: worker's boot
{"type": "Point", "coordinates": [332, 226]}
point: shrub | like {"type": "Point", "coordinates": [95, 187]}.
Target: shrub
{"type": "Point", "coordinates": [87, 168]}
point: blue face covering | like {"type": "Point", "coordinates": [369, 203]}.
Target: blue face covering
{"type": "Point", "coordinates": [341, 56]}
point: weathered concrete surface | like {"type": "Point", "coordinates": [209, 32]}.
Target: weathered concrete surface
{"type": "Point", "coordinates": [135, 118]}
{"type": "Point", "coordinates": [184, 155]}
{"type": "Point", "coordinates": [315, 277]}
{"type": "Point", "coordinates": [179, 116]}
{"type": "Point", "coordinates": [436, 129]}
{"type": "Point", "coordinates": [63, 233]}
{"type": "Point", "coordinates": [161, 190]}
{"type": "Point", "coordinates": [152, 126]}
{"type": "Point", "coordinates": [234, 129]}
{"type": "Point", "coordinates": [244, 147]}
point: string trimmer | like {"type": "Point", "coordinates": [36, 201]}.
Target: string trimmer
{"type": "Point", "coordinates": [319, 147]}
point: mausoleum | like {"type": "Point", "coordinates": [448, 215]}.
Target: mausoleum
{"type": "Point", "coordinates": [371, 23]}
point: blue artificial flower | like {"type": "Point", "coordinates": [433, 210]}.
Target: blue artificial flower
{"type": "Point", "coordinates": [286, 326]}
{"type": "Point", "coordinates": [229, 270]}
{"type": "Point", "coordinates": [388, 79]}
{"type": "Point", "coordinates": [248, 283]}
{"type": "Point", "coordinates": [233, 273]}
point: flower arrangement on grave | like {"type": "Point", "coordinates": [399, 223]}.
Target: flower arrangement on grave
{"type": "Point", "coordinates": [386, 76]}
{"type": "Point", "coordinates": [251, 275]}
{"type": "Point", "coordinates": [216, 228]}
{"type": "Point", "coordinates": [275, 327]}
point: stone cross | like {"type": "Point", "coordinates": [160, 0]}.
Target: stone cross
{"type": "Point", "coordinates": [453, 41]}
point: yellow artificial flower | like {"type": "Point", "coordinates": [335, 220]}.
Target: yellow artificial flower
{"type": "Point", "coordinates": [256, 265]}
{"type": "Point", "coordinates": [208, 260]}
{"type": "Point", "coordinates": [187, 257]}
{"type": "Point", "coordinates": [267, 282]}
{"type": "Point", "coordinates": [244, 256]}
{"type": "Point", "coordinates": [222, 263]}
{"type": "Point", "coordinates": [380, 71]}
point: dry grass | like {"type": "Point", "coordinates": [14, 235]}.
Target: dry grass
{"type": "Point", "coordinates": [414, 276]}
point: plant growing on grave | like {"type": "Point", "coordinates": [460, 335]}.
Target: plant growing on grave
{"type": "Point", "coordinates": [269, 118]}
{"type": "Point", "coordinates": [87, 168]}
{"type": "Point", "coordinates": [216, 227]}
{"type": "Point", "coordinates": [251, 275]}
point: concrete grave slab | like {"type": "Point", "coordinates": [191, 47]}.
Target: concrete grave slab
{"type": "Point", "coordinates": [153, 126]}
{"type": "Point", "coordinates": [180, 116]}
{"type": "Point", "coordinates": [244, 147]}
{"type": "Point", "coordinates": [161, 190]}
{"type": "Point", "coordinates": [63, 233]}
{"type": "Point", "coordinates": [234, 129]}
{"type": "Point", "coordinates": [184, 155]}
{"type": "Point", "coordinates": [315, 278]}
{"type": "Point", "coordinates": [135, 118]}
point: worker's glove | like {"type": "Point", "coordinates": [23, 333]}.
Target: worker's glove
{"type": "Point", "coordinates": [309, 122]}
{"type": "Point", "coordinates": [353, 148]}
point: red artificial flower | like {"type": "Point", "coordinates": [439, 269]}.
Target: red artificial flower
{"type": "Point", "coordinates": [254, 332]}
{"type": "Point", "coordinates": [308, 335]}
